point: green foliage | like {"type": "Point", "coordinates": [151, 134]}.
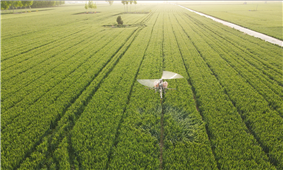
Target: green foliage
{"type": "Point", "coordinates": [5, 5]}
{"type": "Point", "coordinates": [91, 5]}
{"type": "Point", "coordinates": [119, 20]}
{"type": "Point", "coordinates": [110, 2]}
{"type": "Point", "coordinates": [68, 105]}
{"type": "Point", "coordinates": [40, 4]}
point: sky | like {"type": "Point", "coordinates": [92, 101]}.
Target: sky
{"type": "Point", "coordinates": [139, 1]}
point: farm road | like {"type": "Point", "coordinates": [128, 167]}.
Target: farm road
{"type": "Point", "coordinates": [242, 29]}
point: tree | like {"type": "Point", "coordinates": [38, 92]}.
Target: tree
{"type": "Point", "coordinates": [25, 4]}
{"type": "Point", "coordinates": [92, 5]}
{"type": "Point", "coordinates": [16, 4]}
{"type": "Point", "coordinates": [110, 2]}
{"type": "Point", "coordinates": [5, 5]}
{"type": "Point", "coordinates": [19, 4]}
{"type": "Point", "coordinates": [135, 2]}
{"type": "Point", "coordinates": [119, 20]}
{"type": "Point", "coordinates": [123, 2]}
{"type": "Point", "coordinates": [127, 2]}
{"type": "Point", "coordinates": [39, 4]}
{"type": "Point", "coordinates": [131, 6]}
{"type": "Point", "coordinates": [86, 7]}
{"type": "Point", "coordinates": [29, 4]}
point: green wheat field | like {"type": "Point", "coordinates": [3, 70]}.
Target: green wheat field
{"type": "Point", "coordinates": [70, 97]}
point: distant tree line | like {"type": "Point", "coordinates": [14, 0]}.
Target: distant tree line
{"type": "Point", "coordinates": [127, 3]}
{"type": "Point", "coordinates": [39, 4]}
{"type": "Point", "coordinates": [90, 5]}
{"type": "Point", "coordinates": [110, 2]}
{"type": "Point", "coordinates": [5, 5]}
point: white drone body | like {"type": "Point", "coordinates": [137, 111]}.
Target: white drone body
{"type": "Point", "coordinates": [159, 84]}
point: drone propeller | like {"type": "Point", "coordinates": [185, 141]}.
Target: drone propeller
{"type": "Point", "coordinates": [154, 83]}
{"type": "Point", "coordinates": [166, 75]}
{"type": "Point", "coordinates": [148, 82]}
{"type": "Point", "coordinates": [170, 75]}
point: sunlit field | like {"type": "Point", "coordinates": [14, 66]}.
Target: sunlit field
{"type": "Point", "coordinates": [261, 16]}
{"type": "Point", "coordinates": [70, 98]}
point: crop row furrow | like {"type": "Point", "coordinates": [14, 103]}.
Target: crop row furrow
{"type": "Point", "coordinates": [53, 107]}
{"type": "Point", "coordinates": [266, 125]}
{"type": "Point", "coordinates": [38, 56]}
{"type": "Point", "coordinates": [234, 56]}
{"type": "Point", "coordinates": [250, 43]}
{"type": "Point", "coordinates": [136, 146]}
{"type": "Point", "coordinates": [68, 71]}
{"type": "Point", "coordinates": [56, 143]}
{"type": "Point", "coordinates": [12, 34]}
{"type": "Point", "coordinates": [246, 71]}
{"type": "Point", "coordinates": [187, 144]}
{"type": "Point", "coordinates": [94, 132]}
{"type": "Point", "coordinates": [12, 56]}
{"type": "Point", "coordinates": [231, 142]}
{"type": "Point", "coordinates": [53, 76]}
{"type": "Point", "coordinates": [243, 42]}
{"type": "Point", "coordinates": [240, 53]}
{"type": "Point", "coordinates": [41, 36]}
{"type": "Point", "coordinates": [253, 44]}
{"type": "Point", "coordinates": [264, 65]}
{"type": "Point", "coordinates": [45, 66]}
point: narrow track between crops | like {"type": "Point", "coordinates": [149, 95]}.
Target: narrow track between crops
{"type": "Point", "coordinates": [161, 135]}
{"type": "Point", "coordinates": [194, 96]}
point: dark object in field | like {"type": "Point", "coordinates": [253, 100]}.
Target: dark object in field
{"type": "Point", "coordinates": [119, 20]}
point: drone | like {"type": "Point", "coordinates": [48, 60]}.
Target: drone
{"type": "Point", "coordinates": [159, 84]}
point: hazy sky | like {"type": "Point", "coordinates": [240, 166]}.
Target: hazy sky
{"type": "Point", "coordinates": [140, 1]}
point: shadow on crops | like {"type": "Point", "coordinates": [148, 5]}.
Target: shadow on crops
{"type": "Point", "coordinates": [181, 125]}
